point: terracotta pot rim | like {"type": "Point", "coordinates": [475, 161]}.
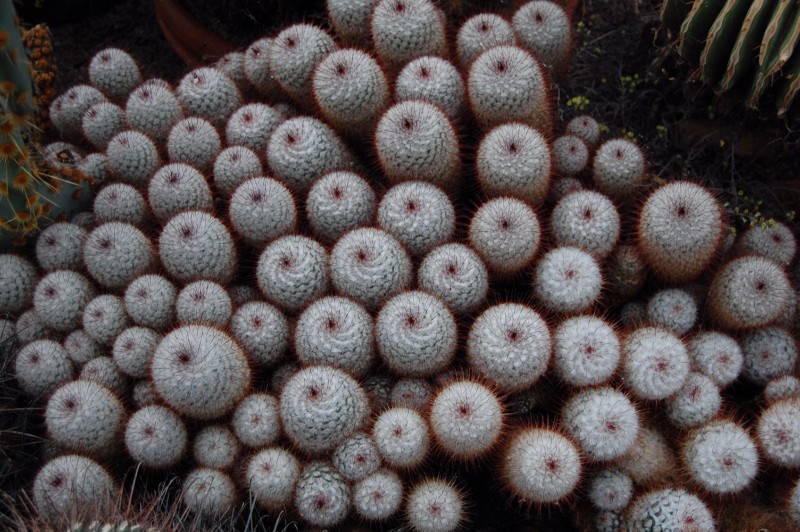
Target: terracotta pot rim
{"type": "Point", "coordinates": [191, 41]}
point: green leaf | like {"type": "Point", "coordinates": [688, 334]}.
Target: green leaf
{"type": "Point", "coordinates": [721, 38]}
{"type": "Point", "coordinates": [694, 29]}
{"type": "Point", "coordinates": [743, 55]}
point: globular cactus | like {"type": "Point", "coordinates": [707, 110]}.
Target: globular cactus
{"type": "Point", "coordinates": [602, 421]}
{"type": "Point", "coordinates": [203, 302]}
{"type": "Point", "coordinates": [292, 271]}
{"type": "Point", "coordinates": [153, 109]}
{"type": "Point", "coordinates": [114, 72]}
{"type": "Point", "coordinates": [208, 492]}
{"type": "Point", "coordinates": [586, 350]}
{"type": "Point", "coordinates": [322, 496]}
{"type": "Point", "coordinates": [119, 202]}
{"type": "Point", "coordinates": [481, 32]}
{"type": "Point", "coordinates": [132, 157]}
{"type": "Point", "coordinates": [103, 370]}
{"type": "Point", "coordinates": [57, 248]}
{"type": "Point", "coordinates": [568, 280]}
{"type": "Point", "coordinates": [261, 210]}
{"type": "Point", "coordinates": [69, 485]}
{"type": "Point", "coordinates": [505, 232]}
{"type": "Point", "coordinates": [435, 80]}
{"type": "Point", "coordinates": [262, 330]}
{"type": "Point", "coordinates": [545, 29]}
{"type": "Point", "coordinates": [721, 457]}
{"type": "Point", "coordinates": [611, 489]}
{"type": "Point", "coordinates": [115, 253]}
{"type": "Point", "coordinates": [669, 509]}
{"type": "Point", "coordinates": [257, 67]}
{"type": "Point", "coordinates": [356, 457]}
{"type": "Point", "coordinates": [655, 363]}
{"type": "Point", "coordinates": [769, 352]}
{"type": "Point", "coordinates": [177, 187]}
{"type": "Point", "coordinates": [255, 420]}
{"type": "Point", "coordinates": [59, 299]}
{"type": "Point", "coordinates": [457, 275]}
{"type": "Point", "coordinates": [405, 29]}
{"type": "Point", "coordinates": [210, 94]}
{"type": "Point", "coordinates": [695, 403]}
{"type": "Point", "coordinates": [101, 122]}
{"type": "Point", "coordinates": [293, 54]}
{"type": "Point", "coordinates": [251, 125]}
{"type": "Point", "coordinates": [378, 496]}
{"type": "Point", "coordinates": [233, 166]}
{"type": "Point", "coordinates": [744, 47]}
{"type": "Point", "coordinates": [215, 446]}
{"type": "Point", "coordinates": [402, 437]}
{"type": "Point", "coordinates": [587, 220]}
{"type": "Point", "coordinates": [338, 202]}
{"type": "Point", "coordinates": [156, 437]}
{"type": "Point", "coordinates": [271, 477]}
{"type": "Point", "coordinates": [193, 141]}
{"type": "Point", "coordinates": [150, 301]}
{"type": "Point", "coordinates": [42, 366]}
{"type": "Point", "coordinates": [195, 245]}
{"type": "Point", "coordinates": [673, 309]}
{"type": "Point", "coordinates": [778, 433]}
{"type": "Point", "coordinates": [17, 283]}
{"type": "Point", "coordinates": [133, 349]}
{"type": "Point", "coordinates": [104, 318]}
{"type": "Point", "coordinates": [435, 504]}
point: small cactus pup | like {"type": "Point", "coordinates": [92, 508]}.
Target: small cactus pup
{"type": "Point", "coordinates": [778, 432]}
{"type": "Point", "coordinates": [302, 149]}
{"type": "Point", "coordinates": [717, 355]}
{"type": "Point", "coordinates": [749, 292]}
{"type": "Point", "coordinates": [611, 489]}
{"type": "Point", "coordinates": [257, 68]}
{"type": "Point", "coordinates": [415, 140]}
{"type": "Point", "coordinates": [42, 366]}
{"type": "Point", "coordinates": [204, 302]}
{"type": "Point", "coordinates": [322, 495]}
{"type": "Point", "coordinates": [369, 265]}
{"type": "Point", "coordinates": [193, 141]}
{"type": "Point", "coordinates": [570, 155]}
{"type": "Point", "coordinates": [669, 509]}
{"type": "Point", "coordinates": [57, 248]}
{"type": "Point", "coordinates": [619, 169]}
{"type": "Point", "coordinates": [192, 381]}
{"type": "Point", "coordinates": [119, 202]}
{"type": "Point", "coordinates": [402, 437]}
{"type": "Point", "coordinates": [679, 230]}
{"type": "Point", "coordinates": [101, 123]}
{"type": "Point", "coordinates": [153, 109]}
{"type": "Point", "coordinates": [466, 419]}
{"type": "Point", "coordinates": [150, 301]}
{"type": "Point", "coordinates": [673, 309]}
{"type": "Point", "coordinates": [416, 334]}
{"type": "Point", "coordinates": [435, 505]}
{"type": "Point", "coordinates": [541, 466]}
{"type": "Point", "coordinates": [655, 363]}
{"type": "Point", "coordinates": [81, 347]}
{"type": "Point", "coordinates": [568, 280]}
{"type": "Point", "coordinates": [350, 19]}
{"type": "Point", "coordinates": [650, 459]}
{"type": "Point", "coordinates": [103, 370]}
{"type": "Point", "coordinates": [696, 403]}
{"type": "Point", "coordinates": [585, 128]}
{"type": "Point", "coordinates": [132, 157]}
{"type": "Point", "coordinates": [546, 30]}
{"type": "Point", "coordinates": [18, 280]}
{"type": "Point", "coordinates": [209, 94]}
{"type": "Point", "coordinates": [233, 166]}
{"type": "Point", "coordinates": [69, 485]}
{"type": "Point", "coordinates": [133, 349]}
{"type": "Point", "coordinates": [271, 475]}
{"type": "Point", "coordinates": [262, 209]}
{"type": "Point", "coordinates": [721, 457]}
{"type": "Point", "coordinates": [509, 346]}
{"type": "Point", "coordinates": [404, 29]}
{"type": "Point", "coordinates": [783, 387]}
{"type": "Point", "coordinates": [86, 417]}
{"type": "Point", "coordinates": [292, 271]}
{"type": "Point", "coordinates": [378, 496]}
{"type": "Point", "coordinates": [262, 330]}
{"type": "Point", "coordinates": [293, 54]}
{"type": "Point", "coordinates": [508, 84]}
{"type": "Point", "coordinates": [114, 72]}
{"type": "Point", "coordinates": [457, 275]}
{"type": "Point", "coordinates": [320, 406]}
{"type": "Point", "coordinates": [433, 79]}
{"type": "Point", "coordinates": [351, 90]}
{"type": "Point", "coordinates": [338, 202]}
{"type": "Point", "coordinates": [215, 446]}
{"type": "Point", "coordinates": [776, 242]}
{"type": "Point", "coordinates": [59, 299]}
{"type": "Point", "coordinates": [104, 318]}
{"type": "Point", "coordinates": [506, 234]}
{"type": "Point", "coordinates": [335, 331]}
{"type": "Point", "coordinates": [208, 492]}
{"type": "Point", "coordinates": [603, 421]}
{"type": "Point", "coordinates": [155, 437]}
{"type": "Point", "coordinates": [177, 187]}
{"type": "Point", "coordinates": [586, 350]}
{"type": "Point", "coordinates": [418, 214]}
{"type": "Point", "coordinates": [255, 420]}
{"type": "Point", "coordinates": [479, 33]}
{"type": "Point", "coordinates": [587, 220]}
{"type": "Point", "coordinates": [195, 245]}
{"type": "Point", "coordinates": [514, 159]}
{"type": "Point", "coordinates": [769, 352]}
{"type": "Point", "coordinates": [251, 125]}
{"type": "Point", "coordinates": [115, 253]}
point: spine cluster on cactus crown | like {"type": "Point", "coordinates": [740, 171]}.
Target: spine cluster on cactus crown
{"type": "Point", "coordinates": [289, 270]}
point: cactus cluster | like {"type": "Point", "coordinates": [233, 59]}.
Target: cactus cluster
{"type": "Point", "coordinates": [336, 282]}
{"type": "Point", "coordinates": [747, 47]}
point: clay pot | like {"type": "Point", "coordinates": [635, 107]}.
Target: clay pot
{"type": "Point", "coordinates": [195, 44]}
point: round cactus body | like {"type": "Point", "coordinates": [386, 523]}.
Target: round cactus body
{"type": "Point", "coordinates": [783, 387]}
{"type": "Point", "coordinates": [262, 330]}
{"type": "Point", "coordinates": [114, 72]}
{"type": "Point", "coordinates": [457, 275]}
{"type": "Point", "coordinates": [303, 149]}
{"type": "Point", "coordinates": [101, 122]}
{"type": "Point", "coordinates": [193, 141]}
{"type": "Point", "coordinates": [586, 128]}
{"type": "Point", "coordinates": [418, 214]}
{"type": "Point", "coordinates": [673, 309]}
{"type": "Point", "coordinates": [350, 18]}
{"type": "Point", "coordinates": [153, 109]}
{"type": "Point", "coordinates": [509, 345]}
{"type": "Point", "coordinates": [232, 64]}
{"type": "Point", "coordinates": [415, 140]}
{"type": "Point", "coordinates": [669, 509]}
{"type": "Point", "coordinates": [768, 353]}
{"type": "Point", "coordinates": [570, 155]}
{"type": "Point", "coordinates": [67, 110]}
{"type": "Point", "coordinates": [411, 393]}
{"type": "Point", "coordinates": [351, 90]}
{"type": "Point", "coordinates": [649, 459]}
{"type": "Point", "coordinates": [656, 363]}
{"type": "Point", "coordinates": [335, 331]}
{"type": "Point", "coordinates": [204, 302]}
{"type": "Point", "coordinates": [432, 79]}
{"type": "Point", "coordinates": [435, 505]}
{"type": "Point", "coordinates": [271, 477]}
{"type": "Point", "coordinates": [251, 125]}
{"type": "Point", "coordinates": [255, 420]}
{"type": "Point", "coordinates": [541, 465]}
{"type": "Point", "coordinates": [721, 457]}
{"type": "Point", "coordinates": [103, 370]}
{"type": "Point", "coordinates": [402, 437]}
{"type": "Point", "coordinates": [506, 234]}
{"type": "Point", "coordinates": [208, 492]}
{"type": "Point", "coordinates": [778, 433]}
{"type": "Point", "coordinates": [680, 229]}
{"type": "Point", "coordinates": [293, 54]}
{"type": "Point", "coordinates": [215, 446]}
{"type": "Point", "coordinates": [85, 416]}
{"type": "Point", "coordinates": [405, 29]}
{"type": "Point", "coordinates": [195, 245]}
{"type": "Point", "coordinates": [369, 265]}
{"type": "Point", "coordinates": [150, 301]}
{"type": "Point", "coordinates": [292, 271]}
{"type": "Point", "coordinates": [507, 84]}
{"type": "Point", "coordinates": [59, 299]}
{"type": "Point", "coordinates": [18, 278]}
{"type": "Point", "coordinates": [320, 406]}
{"type": "Point", "coordinates": [479, 33]}
{"type": "Point", "coordinates": [42, 366]}
{"type": "Point", "coordinates": [338, 202]}
{"type": "Point", "coordinates": [155, 437]}
{"type": "Point", "coordinates": [191, 380]}
{"type": "Point", "coordinates": [618, 169]}
{"type": "Point", "coordinates": [69, 485]}
{"type": "Point", "coordinates": [233, 166]}
{"type": "Point", "coordinates": [322, 495]}
{"type": "Point", "coordinates": [104, 318]}
{"type": "Point", "coordinates": [545, 29]}
{"type": "Point", "coordinates": [378, 496]}
{"type": "Point", "coordinates": [356, 457]}
{"type": "Point", "coordinates": [29, 327]}
{"type": "Point", "coordinates": [177, 187]}
{"type": "Point", "coordinates": [568, 280]}
{"type": "Point", "coordinates": [415, 334]}
{"type": "Point", "coordinates": [119, 202]}
{"type": "Point", "coordinates": [586, 350]}
{"type": "Point", "coordinates": [115, 253]}
{"type": "Point", "coordinates": [210, 94]}
{"type": "Point", "coordinates": [748, 292]}
{"type": "Point", "coordinates": [602, 421]}
{"type": "Point", "coordinates": [132, 157]}
{"type": "Point", "coordinates": [695, 403]}
{"type": "Point", "coordinates": [717, 355]}
{"type": "Point", "coordinates": [262, 209]}
{"type": "Point", "coordinates": [133, 349]}
{"type": "Point", "coordinates": [81, 347]}
{"type": "Point", "coordinates": [611, 489]}
{"type": "Point", "coordinates": [776, 242]}
{"type": "Point", "coordinates": [257, 67]}
{"type": "Point", "coordinates": [587, 220]}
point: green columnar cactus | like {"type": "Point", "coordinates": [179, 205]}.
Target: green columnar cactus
{"type": "Point", "coordinates": [28, 195]}
{"type": "Point", "coordinates": [745, 46]}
